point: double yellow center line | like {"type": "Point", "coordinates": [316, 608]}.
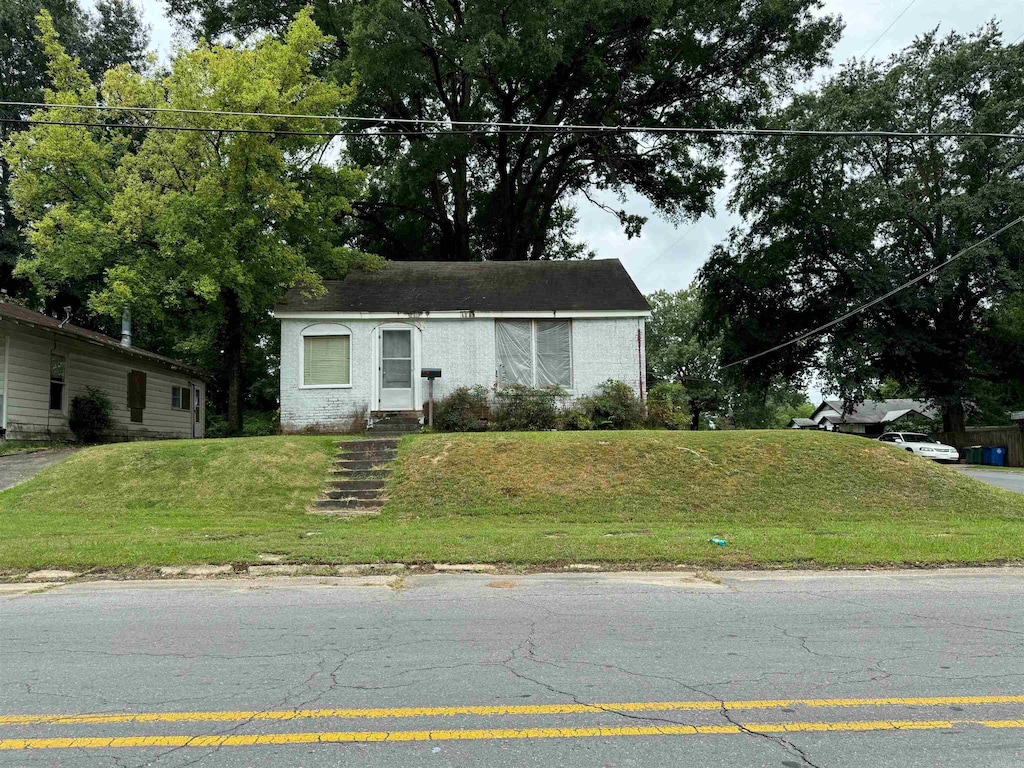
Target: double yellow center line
{"type": "Point", "coordinates": [229, 740]}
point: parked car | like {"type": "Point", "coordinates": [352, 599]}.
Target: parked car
{"type": "Point", "coordinates": [923, 445]}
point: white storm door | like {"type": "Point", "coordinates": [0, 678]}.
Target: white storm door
{"type": "Point", "coordinates": [396, 382]}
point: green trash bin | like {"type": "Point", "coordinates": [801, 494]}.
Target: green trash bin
{"type": "Point", "coordinates": [974, 454]}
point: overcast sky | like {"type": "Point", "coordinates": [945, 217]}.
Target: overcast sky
{"type": "Point", "coordinates": [668, 257]}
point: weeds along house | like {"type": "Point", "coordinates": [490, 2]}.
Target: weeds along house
{"type": "Point", "coordinates": [45, 364]}
{"type": "Point", "coordinates": [358, 350]}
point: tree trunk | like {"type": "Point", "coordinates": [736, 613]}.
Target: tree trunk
{"type": "Point", "coordinates": [954, 419]}
{"type": "Point", "coordinates": [694, 419]}
{"type": "Point", "coordinates": [460, 197]}
{"type": "Point", "coordinates": [233, 359]}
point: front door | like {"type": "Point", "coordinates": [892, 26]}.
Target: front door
{"type": "Point", "coordinates": [197, 427]}
{"type": "Point", "coordinates": [396, 382]}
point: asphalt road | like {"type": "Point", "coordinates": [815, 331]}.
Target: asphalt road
{"type": "Point", "coordinates": [1013, 481]}
{"type": "Point", "coordinates": [793, 669]}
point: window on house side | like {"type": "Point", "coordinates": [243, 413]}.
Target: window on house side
{"type": "Point", "coordinates": [535, 353]}
{"type": "Point", "coordinates": [57, 365]}
{"type": "Point", "coordinates": [181, 398]}
{"type": "Point", "coordinates": [325, 361]}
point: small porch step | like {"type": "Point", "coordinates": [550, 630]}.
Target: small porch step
{"type": "Point", "coordinates": [372, 494]}
{"type": "Point", "coordinates": [360, 474]}
{"type": "Point", "coordinates": [383, 443]}
{"type": "Point", "coordinates": [358, 485]}
{"type": "Point", "coordinates": [356, 464]}
{"type": "Point", "coordinates": [367, 504]}
{"type": "Point", "coordinates": [373, 458]}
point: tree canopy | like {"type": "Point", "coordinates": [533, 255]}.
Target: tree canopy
{"type": "Point", "coordinates": [833, 224]}
{"type": "Point", "coordinates": [679, 351]}
{"type": "Point", "coordinates": [510, 194]}
{"type": "Point", "coordinates": [112, 35]}
{"type": "Point", "coordinates": [197, 232]}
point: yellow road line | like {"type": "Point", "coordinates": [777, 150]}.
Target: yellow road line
{"type": "Point", "coordinates": [249, 740]}
{"type": "Point", "coordinates": [521, 709]}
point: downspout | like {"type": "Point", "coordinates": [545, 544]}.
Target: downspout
{"type": "Point", "coordinates": [640, 357]}
{"type": "Point", "coordinates": [7, 379]}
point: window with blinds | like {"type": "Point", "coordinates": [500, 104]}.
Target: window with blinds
{"type": "Point", "coordinates": [325, 361]}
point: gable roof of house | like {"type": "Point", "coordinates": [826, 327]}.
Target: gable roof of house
{"type": "Point", "coordinates": [25, 316]}
{"type": "Point", "coordinates": [477, 286]}
{"type": "Point", "coordinates": [799, 421]}
{"type": "Point", "coordinates": [873, 411]}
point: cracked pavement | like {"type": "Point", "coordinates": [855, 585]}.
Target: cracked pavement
{"type": "Point", "coordinates": [262, 647]}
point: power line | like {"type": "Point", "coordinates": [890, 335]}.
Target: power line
{"type": "Point", "coordinates": [216, 129]}
{"type": "Point", "coordinates": [485, 127]}
{"type": "Point", "coordinates": [675, 242]}
{"type": "Point", "coordinates": [886, 30]}
{"type": "Point", "coordinates": [879, 300]}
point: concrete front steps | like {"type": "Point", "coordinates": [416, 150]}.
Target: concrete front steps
{"type": "Point", "coordinates": [359, 478]}
{"type": "Point", "coordinates": [362, 467]}
{"type": "Point", "coordinates": [394, 423]}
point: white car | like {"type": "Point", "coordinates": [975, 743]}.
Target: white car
{"type": "Point", "coordinates": [923, 445]}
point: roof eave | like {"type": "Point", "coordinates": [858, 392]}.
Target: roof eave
{"type": "Point", "coordinates": [141, 354]}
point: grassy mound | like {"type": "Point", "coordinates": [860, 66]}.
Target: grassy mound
{"type": "Point", "coordinates": [643, 498]}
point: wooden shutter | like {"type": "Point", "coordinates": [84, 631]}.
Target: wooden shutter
{"type": "Point", "coordinates": [136, 390]}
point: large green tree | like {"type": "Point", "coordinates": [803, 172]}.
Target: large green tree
{"type": "Point", "coordinates": [832, 224]}
{"type": "Point", "coordinates": [680, 350]}
{"type": "Point", "coordinates": [197, 232]}
{"type": "Point", "coordinates": [675, 352]}
{"type": "Point", "coordinates": [509, 194]}
{"type": "Point", "coordinates": [111, 35]}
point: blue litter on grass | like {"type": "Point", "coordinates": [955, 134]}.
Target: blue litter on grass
{"type": "Point", "coordinates": [716, 540]}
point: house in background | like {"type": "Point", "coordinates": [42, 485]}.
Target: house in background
{"type": "Point", "coordinates": [801, 423]}
{"type": "Point", "coordinates": [357, 350]}
{"type": "Point", "coordinates": [872, 417]}
{"type": "Point", "coordinates": [45, 363]}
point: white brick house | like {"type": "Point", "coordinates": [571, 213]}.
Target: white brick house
{"type": "Point", "coordinates": [359, 349]}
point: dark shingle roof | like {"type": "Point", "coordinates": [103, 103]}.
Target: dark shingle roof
{"type": "Point", "coordinates": [20, 314]}
{"type": "Point", "coordinates": [878, 411]}
{"type": "Point", "coordinates": [478, 286]}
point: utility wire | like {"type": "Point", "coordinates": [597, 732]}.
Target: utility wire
{"type": "Point", "coordinates": [484, 127]}
{"type": "Point", "coordinates": [879, 300]}
{"type": "Point", "coordinates": [886, 30]}
{"type": "Point", "coordinates": [263, 131]}
{"type": "Point", "coordinates": [675, 242]}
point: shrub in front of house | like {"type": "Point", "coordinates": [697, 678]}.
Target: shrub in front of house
{"type": "Point", "coordinates": [518, 408]}
{"type": "Point", "coordinates": [467, 409]}
{"type": "Point", "coordinates": [574, 419]}
{"type": "Point", "coordinates": [667, 406]}
{"type": "Point", "coordinates": [92, 416]}
{"type": "Point", "coordinates": [613, 406]}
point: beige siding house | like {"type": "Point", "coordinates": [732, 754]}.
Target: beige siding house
{"type": "Point", "coordinates": [45, 364]}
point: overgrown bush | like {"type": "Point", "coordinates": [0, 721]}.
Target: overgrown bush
{"type": "Point", "coordinates": [467, 409]}
{"type": "Point", "coordinates": [574, 420]}
{"type": "Point", "coordinates": [91, 416]}
{"type": "Point", "coordinates": [667, 406]}
{"type": "Point", "coordinates": [614, 406]}
{"type": "Point", "coordinates": [254, 424]}
{"type": "Point", "coordinates": [522, 408]}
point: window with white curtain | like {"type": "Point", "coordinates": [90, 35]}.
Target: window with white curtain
{"type": "Point", "coordinates": [535, 353]}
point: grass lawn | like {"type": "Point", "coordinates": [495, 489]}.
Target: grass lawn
{"type": "Point", "coordinates": [780, 498]}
